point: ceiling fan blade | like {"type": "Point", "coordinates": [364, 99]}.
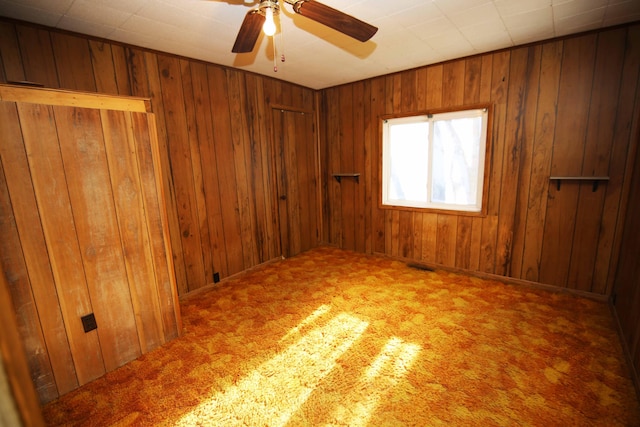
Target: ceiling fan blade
{"type": "Point", "coordinates": [335, 19]}
{"type": "Point", "coordinates": [249, 32]}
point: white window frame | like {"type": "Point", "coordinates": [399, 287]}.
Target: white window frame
{"type": "Point", "coordinates": [431, 117]}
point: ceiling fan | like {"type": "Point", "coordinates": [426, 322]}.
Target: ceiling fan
{"type": "Point", "coordinates": [261, 18]}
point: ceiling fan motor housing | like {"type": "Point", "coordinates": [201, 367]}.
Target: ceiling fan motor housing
{"type": "Point", "coordinates": [269, 4]}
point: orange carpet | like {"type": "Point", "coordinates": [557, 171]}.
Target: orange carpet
{"type": "Point", "coordinates": [332, 337]}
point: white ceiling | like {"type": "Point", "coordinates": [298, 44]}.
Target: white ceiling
{"type": "Point", "coordinates": [411, 33]}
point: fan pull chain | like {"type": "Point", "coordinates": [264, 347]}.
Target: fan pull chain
{"type": "Point", "coordinates": [275, 50]}
{"type": "Point", "coordinates": [275, 56]}
{"type": "Point", "coordinates": [282, 44]}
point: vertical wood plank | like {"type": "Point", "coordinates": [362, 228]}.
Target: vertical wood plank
{"type": "Point", "coordinates": [103, 67]}
{"type": "Point", "coordinates": [369, 165]}
{"type": "Point", "coordinates": [202, 225]}
{"type": "Point", "coordinates": [336, 227]}
{"type": "Point", "coordinates": [624, 145]}
{"type": "Point", "coordinates": [148, 155]}
{"type": "Point", "coordinates": [226, 168]}
{"type": "Point", "coordinates": [525, 133]}
{"type": "Point", "coordinates": [50, 186]}
{"type": "Point", "coordinates": [181, 167]}
{"type": "Point", "coordinates": [40, 276]}
{"type": "Point", "coordinates": [429, 237]}
{"type": "Point", "coordinates": [476, 244]}
{"type": "Point", "coordinates": [472, 80]}
{"type": "Point", "coordinates": [499, 82]}
{"type": "Point", "coordinates": [209, 167]}
{"type": "Point", "coordinates": [598, 149]}
{"type": "Point", "coordinates": [25, 306]}
{"type": "Point", "coordinates": [568, 152]}
{"type": "Point", "coordinates": [446, 240]}
{"type": "Point", "coordinates": [359, 151]}
{"type": "Point", "coordinates": [37, 56]}
{"type": "Point", "coordinates": [541, 159]}
{"type": "Point", "coordinates": [145, 81]}
{"type": "Point", "coordinates": [347, 186]}
{"type": "Point", "coordinates": [10, 55]}
{"type": "Point", "coordinates": [262, 178]}
{"type": "Point", "coordinates": [434, 86]}
{"type": "Point", "coordinates": [121, 69]}
{"type": "Point", "coordinates": [237, 100]}
{"type": "Point", "coordinates": [405, 234]}
{"type": "Point", "coordinates": [120, 149]}
{"type": "Point", "coordinates": [463, 242]}
{"type": "Point", "coordinates": [488, 248]}
{"type": "Point", "coordinates": [73, 62]}
{"type": "Point", "coordinates": [453, 83]}
{"type": "Point", "coordinates": [12, 359]}
{"type": "Point", "coordinates": [378, 96]}
{"type": "Point", "coordinates": [92, 204]}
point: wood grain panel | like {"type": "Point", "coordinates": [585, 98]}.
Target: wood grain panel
{"type": "Point", "coordinates": [200, 208]}
{"type": "Point", "coordinates": [541, 160]}
{"type": "Point", "coordinates": [148, 82]}
{"type": "Point", "coordinates": [60, 230]}
{"type": "Point", "coordinates": [333, 143]}
{"type": "Point", "coordinates": [182, 165]}
{"type": "Point", "coordinates": [37, 55]}
{"type": "Point", "coordinates": [24, 306]}
{"type": "Point", "coordinates": [378, 95]}
{"type": "Point", "coordinates": [359, 152]}
{"type": "Point", "coordinates": [119, 141]}
{"type": "Point", "coordinates": [84, 234]}
{"type": "Point", "coordinates": [208, 166]}
{"type": "Point", "coordinates": [33, 247]}
{"type": "Point", "coordinates": [73, 62]}
{"type": "Point", "coordinates": [10, 56]}
{"type": "Point", "coordinates": [103, 67]}
{"type": "Point", "coordinates": [153, 195]}
{"type": "Point", "coordinates": [239, 138]}
{"type": "Point", "coordinates": [622, 158]}
{"type": "Point", "coordinates": [544, 97]}
{"type": "Point", "coordinates": [526, 136]}
{"type": "Point", "coordinates": [17, 388]}
{"type": "Point", "coordinates": [598, 149]}
{"type": "Point", "coordinates": [446, 240]}
{"type": "Point", "coordinates": [346, 165]}
{"type": "Point", "coordinates": [627, 281]}
{"type": "Point", "coordinates": [261, 173]}
{"type": "Point", "coordinates": [568, 152]}
{"type": "Point", "coordinates": [226, 168]}
{"type": "Point", "coordinates": [368, 161]}
{"type": "Point", "coordinates": [92, 203]}
{"type": "Point", "coordinates": [429, 237]}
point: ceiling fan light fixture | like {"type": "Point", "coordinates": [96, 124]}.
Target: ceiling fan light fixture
{"type": "Point", "coordinates": [269, 26]}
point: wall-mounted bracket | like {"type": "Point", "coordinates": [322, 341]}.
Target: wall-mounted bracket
{"type": "Point", "coordinates": [339, 176]}
{"type": "Point", "coordinates": [596, 180]}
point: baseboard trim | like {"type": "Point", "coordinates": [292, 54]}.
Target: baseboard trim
{"type": "Point", "coordinates": [502, 279]}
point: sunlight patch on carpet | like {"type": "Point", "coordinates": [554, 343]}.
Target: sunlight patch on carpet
{"type": "Point", "coordinates": [270, 394]}
{"type": "Point", "coordinates": [378, 381]}
{"type": "Point", "coordinates": [319, 312]}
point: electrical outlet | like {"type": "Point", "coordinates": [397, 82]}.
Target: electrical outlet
{"type": "Point", "coordinates": [89, 322]}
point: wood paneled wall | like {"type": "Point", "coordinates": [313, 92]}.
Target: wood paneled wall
{"type": "Point", "coordinates": [83, 233]}
{"type": "Point", "coordinates": [626, 299]}
{"type": "Point", "coordinates": [563, 107]}
{"type": "Point", "coordinates": [215, 123]}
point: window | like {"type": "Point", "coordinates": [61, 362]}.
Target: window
{"type": "Point", "coordinates": [435, 160]}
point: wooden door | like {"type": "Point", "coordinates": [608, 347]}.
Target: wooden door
{"type": "Point", "coordinates": [81, 218]}
{"type": "Point", "coordinates": [297, 172]}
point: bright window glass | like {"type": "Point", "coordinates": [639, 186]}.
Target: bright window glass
{"type": "Point", "coordinates": [435, 161]}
